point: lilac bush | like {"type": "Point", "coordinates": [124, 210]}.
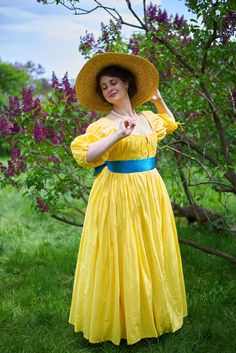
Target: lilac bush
{"type": "Point", "coordinates": [39, 133]}
{"type": "Point", "coordinates": [197, 79]}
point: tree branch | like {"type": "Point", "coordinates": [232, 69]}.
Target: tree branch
{"type": "Point", "coordinates": [177, 55]}
{"type": "Point", "coordinates": [73, 207]}
{"type": "Point", "coordinates": [192, 158]}
{"type": "Point", "coordinates": [75, 9]}
{"type": "Point", "coordinates": [183, 179]}
{"type": "Point", "coordinates": [224, 187]}
{"type": "Point", "coordinates": [207, 46]}
{"type": "Point", "coordinates": [135, 15]}
{"type": "Point", "coordinates": [57, 171]}
{"type": "Point", "coordinates": [119, 18]}
{"type": "Point", "coordinates": [199, 150]}
{"type": "Point", "coordinates": [220, 130]}
{"type": "Point", "coordinates": [64, 220]}
{"type": "Point", "coordinates": [145, 13]}
{"type": "Point", "coordinates": [208, 250]}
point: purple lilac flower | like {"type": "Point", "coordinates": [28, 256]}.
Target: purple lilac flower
{"type": "Point", "coordinates": [154, 14]}
{"type": "Point", "coordinates": [55, 160]}
{"type": "Point", "coordinates": [10, 171]}
{"type": "Point", "coordinates": [15, 128]}
{"type": "Point", "coordinates": [15, 152]}
{"type": "Point", "coordinates": [134, 44]}
{"type": "Point", "coordinates": [228, 27]}
{"type": "Point", "coordinates": [16, 165]}
{"type": "Point", "coordinates": [93, 116]}
{"type": "Point", "coordinates": [114, 28]}
{"type": "Point", "coordinates": [86, 43]}
{"type": "Point", "coordinates": [55, 140]}
{"type": "Point", "coordinates": [151, 12]}
{"type": "Point", "coordinates": [36, 107]}
{"type": "Point", "coordinates": [14, 107]}
{"type": "Point", "coordinates": [43, 117]}
{"type": "Point", "coordinates": [104, 31]}
{"type": "Point", "coordinates": [119, 25]}
{"type": "Point", "coordinates": [20, 164]}
{"type": "Point", "coordinates": [66, 83]}
{"type": "Point", "coordinates": [55, 82]}
{"type": "Point", "coordinates": [41, 204]}
{"type": "Point", "coordinates": [178, 21]}
{"type": "Point", "coordinates": [5, 127]}
{"type": "Point", "coordinates": [27, 100]}
{"type": "Point", "coordinates": [68, 90]}
{"type": "Point", "coordinates": [162, 17]}
{"type": "Point", "coordinates": [40, 132]}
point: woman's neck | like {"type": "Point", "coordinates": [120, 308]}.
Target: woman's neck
{"type": "Point", "coordinates": [124, 110]}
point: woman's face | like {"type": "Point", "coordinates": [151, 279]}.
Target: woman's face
{"type": "Point", "coordinates": [113, 89]}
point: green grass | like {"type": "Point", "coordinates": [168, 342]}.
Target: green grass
{"type": "Point", "coordinates": [38, 258]}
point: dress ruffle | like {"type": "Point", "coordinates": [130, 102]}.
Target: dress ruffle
{"type": "Point", "coordinates": [162, 123]}
{"type": "Point", "coordinates": [80, 145]}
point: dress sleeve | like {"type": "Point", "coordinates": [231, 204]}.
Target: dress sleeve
{"type": "Point", "coordinates": [162, 124]}
{"type": "Point", "coordinates": [81, 143]}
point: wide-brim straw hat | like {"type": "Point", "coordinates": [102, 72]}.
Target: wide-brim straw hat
{"type": "Point", "coordinates": [146, 78]}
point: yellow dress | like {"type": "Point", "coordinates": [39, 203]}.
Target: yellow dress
{"type": "Point", "coordinates": [128, 280]}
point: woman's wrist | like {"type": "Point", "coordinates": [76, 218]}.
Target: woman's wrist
{"type": "Point", "coordinates": [162, 108]}
{"type": "Point", "coordinates": [158, 100]}
{"type": "Point", "coordinates": [119, 135]}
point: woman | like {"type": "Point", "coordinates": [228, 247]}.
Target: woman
{"type": "Point", "coordinates": [128, 281]}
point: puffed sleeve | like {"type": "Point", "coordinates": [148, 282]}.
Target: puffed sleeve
{"type": "Point", "coordinates": [162, 124]}
{"type": "Point", "coordinates": [80, 145]}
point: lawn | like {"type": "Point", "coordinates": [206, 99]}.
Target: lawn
{"type": "Point", "coordinates": [38, 258]}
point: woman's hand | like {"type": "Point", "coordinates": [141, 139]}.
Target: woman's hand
{"type": "Point", "coordinates": [161, 106]}
{"type": "Point", "coordinates": [126, 127]}
{"type": "Point", "coordinates": [157, 96]}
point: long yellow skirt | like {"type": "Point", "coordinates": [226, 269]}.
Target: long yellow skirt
{"type": "Point", "coordinates": [128, 281]}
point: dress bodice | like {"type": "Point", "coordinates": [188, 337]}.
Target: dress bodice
{"type": "Point", "coordinates": [131, 147]}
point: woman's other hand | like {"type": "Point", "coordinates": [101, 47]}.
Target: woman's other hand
{"type": "Point", "coordinates": [157, 96]}
{"type": "Point", "coordinates": [161, 105]}
{"type": "Point", "coordinates": [126, 127]}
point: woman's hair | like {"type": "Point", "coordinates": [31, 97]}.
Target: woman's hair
{"type": "Point", "coordinates": [117, 71]}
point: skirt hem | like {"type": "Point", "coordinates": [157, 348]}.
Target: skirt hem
{"type": "Point", "coordinates": [129, 342]}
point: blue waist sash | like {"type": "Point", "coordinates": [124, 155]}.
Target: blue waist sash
{"type": "Point", "coordinates": [128, 166]}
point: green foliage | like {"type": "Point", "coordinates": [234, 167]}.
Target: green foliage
{"type": "Point", "coordinates": [15, 77]}
{"type": "Point", "coordinates": [12, 81]}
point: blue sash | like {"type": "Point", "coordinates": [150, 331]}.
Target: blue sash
{"type": "Point", "coordinates": [128, 166]}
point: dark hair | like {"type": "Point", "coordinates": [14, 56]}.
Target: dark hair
{"type": "Point", "coordinates": [123, 74]}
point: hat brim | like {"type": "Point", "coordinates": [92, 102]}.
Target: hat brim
{"type": "Point", "coordinates": [145, 73]}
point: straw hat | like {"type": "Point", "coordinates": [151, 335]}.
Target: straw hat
{"type": "Point", "coordinates": [145, 73]}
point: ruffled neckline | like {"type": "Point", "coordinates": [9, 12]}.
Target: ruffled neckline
{"type": "Point", "coordinates": [136, 135]}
